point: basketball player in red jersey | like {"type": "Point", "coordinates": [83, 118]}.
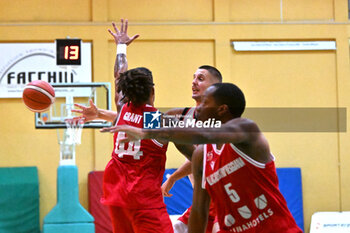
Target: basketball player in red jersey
{"type": "Point", "coordinates": [133, 177]}
{"type": "Point", "coordinates": [234, 168]}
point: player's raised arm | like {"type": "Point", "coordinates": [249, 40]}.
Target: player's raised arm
{"type": "Point", "coordinates": [122, 40]}
{"type": "Point", "coordinates": [201, 199]}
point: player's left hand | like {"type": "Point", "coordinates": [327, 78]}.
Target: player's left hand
{"type": "Point", "coordinates": [121, 36]}
{"type": "Point", "coordinates": [167, 185]}
{"type": "Point", "coordinates": [88, 113]}
{"type": "Point", "coordinates": [132, 133]}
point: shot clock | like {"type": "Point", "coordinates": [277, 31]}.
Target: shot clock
{"type": "Point", "coordinates": [68, 52]}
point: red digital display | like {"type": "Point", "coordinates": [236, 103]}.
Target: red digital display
{"type": "Point", "coordinates": [68, 52]}
{"type": "Point", "coordinates": [71, 52]}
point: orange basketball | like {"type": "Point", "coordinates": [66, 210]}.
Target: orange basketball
{"type": "Point", "coordinates": [38, 95]}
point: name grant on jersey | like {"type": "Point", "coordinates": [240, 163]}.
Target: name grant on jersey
{"type": "Point", "coordinates": [225, 171]}
{"type": "Point", "coordinates": [132, 117]}
{"type": "Point", "coordinates": [253, 223]}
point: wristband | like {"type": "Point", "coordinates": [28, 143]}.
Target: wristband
{"type": "Point", "coordinates": [121, 49]}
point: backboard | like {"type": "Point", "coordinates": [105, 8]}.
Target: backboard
{"type": "Point", "coordinates": [66, 96]}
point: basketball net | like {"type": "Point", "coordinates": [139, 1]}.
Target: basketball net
{"type": "Point", "coordinates": [73, 131]}
{"type": "Point", "coordinates": [71, 137]}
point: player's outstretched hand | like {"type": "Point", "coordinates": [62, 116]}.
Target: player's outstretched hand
{"type": "Point", "coordinates": [121, 37]}
{"type": "Point", "coordinates": [87, 113]}
{"type": "Point", "coordinates": [132, 133]}
{"type": "Point", "coordinates": [166, 186]}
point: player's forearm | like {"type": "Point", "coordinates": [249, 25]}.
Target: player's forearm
{"type": "Point", "coordinates": [234, 131]}
{"type": "Point", "coordinates": [107, 115]}
{"type": "Point", "coordinates": [197, 222]}
{"type": "Point", "coordinates": [120, 66]}
{"type": "Point", "coordinates": [184, 170]}
{"type": "Point", "coordinates": [201, 199]}
{"type": "Point", "coordinates": [191, 136]}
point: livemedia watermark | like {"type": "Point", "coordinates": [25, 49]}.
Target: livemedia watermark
{"type": "Point", "coordinates": [156, 120]}
{"type": "Point", "coordinates": [269, 119]}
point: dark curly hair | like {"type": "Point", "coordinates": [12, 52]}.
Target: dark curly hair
{"type": "Point", "coordinates": [136, 85]}
{"type": "Point", "coordinates": [232, 96]}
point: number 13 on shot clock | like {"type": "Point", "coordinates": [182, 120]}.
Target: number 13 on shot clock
{"type": "Point", "coordinates": [68, 52]}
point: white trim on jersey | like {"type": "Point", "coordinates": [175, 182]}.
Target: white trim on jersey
{"type": "Point", "coordinates": [247, 158]}
{"type": "Point", "coordinates": [191, 112]}
{"type": "Point", "coordinates": [273, 157]}
{"type": "Point", "coordinates": [119, 113]}
{"type": "Point", "coordinates": [204, 165]}
{"type": "Point", "coordinates": [216, 149]}
{"type": "Point", "coordinates": [157, 143]}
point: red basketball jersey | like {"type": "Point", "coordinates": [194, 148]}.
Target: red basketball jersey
{"type": "Point", "coordinates": [134, 175]}
{"type": "Point", "coordinates": [245, 192]}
